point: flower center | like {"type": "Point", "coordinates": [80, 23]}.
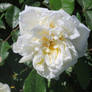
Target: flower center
{"type": "Point", "coordinates": [52, 25]}
{"type": "Point", "coordinates": [50, 45]}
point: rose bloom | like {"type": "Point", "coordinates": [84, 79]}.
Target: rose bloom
{"type": "Point", "coordinates": [4, 88]}
{"type": "Point", "coordinates": [51, 40]}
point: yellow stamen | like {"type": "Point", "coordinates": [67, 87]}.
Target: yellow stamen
{"type": "Point", "coordinates": [45, 39]}
{"type": "Point", "coordinates": [41, 62]}
{"type": "Point", "coordinates": [51, 46]}
{"type": "Point", "coordinates": [44, 32]}
{"type": "Point", "coordinates": [62, 37]}
{"type": "Point", "coordinates": [52, 25]}
{"type": "Point", "coordinates": [12, 86]}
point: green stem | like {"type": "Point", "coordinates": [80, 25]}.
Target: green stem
{"type": "Point", "coordinates": [49, 82]}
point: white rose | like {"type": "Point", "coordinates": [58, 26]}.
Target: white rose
{"type": "Point", "coordinates": [52, 40]}
{"type": "Point", "coordinates": [4, 88]}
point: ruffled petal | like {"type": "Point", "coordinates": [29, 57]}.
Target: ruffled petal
{"type": "Point", "coordinates": [41, 67]}
{"type": "Point", "coordinates": [26, 45]}
{"type": "Point", "coordinates": [26, 59]}
{"type": "Point", "coordinates": [22, 46]}
{"type": "Point", "coordinates": [81, 42]}
{"type": "Point", "coordinates": [29, 18]}
{"type": "Point", "coordinates": [38, 62]}
{"type": "Point", "coordinates": [55, 58]}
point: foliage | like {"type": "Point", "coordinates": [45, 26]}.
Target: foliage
{"type": "Point", "coordinates": [22, 78]}
{"type": "Point", "coordinates": [67, 5]}
{"type": "Point", "coordinates": [35, 83]}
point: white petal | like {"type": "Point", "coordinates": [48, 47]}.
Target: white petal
{"type": "Point", "coordinates": [70, 57]}
{"type": "Point", "coordinates": [26, 59]}
{"type": "Point", "coordinates": [4, 88]}
{"type": "Point", "coordinates": [26, 45]}
{"type": "Point", "coordinates": [40, 31]}
{"type": "Point", "coordinates": [62, 21]}
{"type": "Point", "coordinates": [47, 74]}
{"type": "Point", "coordinates": [70, 28]}
{"type": "Point", "coordinates": [41, 67]}
{"type": "Point", "coordinates": [70, 54]}
{"type": "Point", "coordinates": [29, 18]}
{"type": "Point", "coordinates": [38, 62]}
{"type": "Point", "coordinates": [54, 17]}
{"type": "Point", "coordinates": [55, 58]}
{"type": "Point", "coordinates": [22, 46]}
{"type": "Point", "coordinates": [81, 42]}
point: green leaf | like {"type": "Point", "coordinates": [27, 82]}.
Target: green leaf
{"type": "Point", "coordinates": [12, 15]}
{"type": "Point", "coordinates": [88, 16]}
{"type": "Point", "coordinates": [2, 26]}
{"type": "Point", "coordinates": [78, 16]}
{"type": "Point", "coordinates": [67, 5]}
{"type": "Point", "coordinates": [32, 2]}
{"type": "Point", "coordinates": [55, 5]}
{"type": "Point", "coordinates": [83, 74]}
{"type": "Point", "coordinates": [21, 1]}
{"type": "Point", "coordinates": [87, 11]}
{"type": "Point", "coordinates": [4, 6]}
{"type": "Point", "coordinates": [34, 83]}
{"type": "Point", "coordinates": [36, 4]}
{"type": "Point", "coordinates": [15, 34]}
{"type": "Point", "coordinates": [86, 4]}
{"type": "Point", "coordinates": [4, 47]}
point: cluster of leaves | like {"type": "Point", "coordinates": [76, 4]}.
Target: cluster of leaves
{"type": "Point", "coordinates": [22, 78]}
